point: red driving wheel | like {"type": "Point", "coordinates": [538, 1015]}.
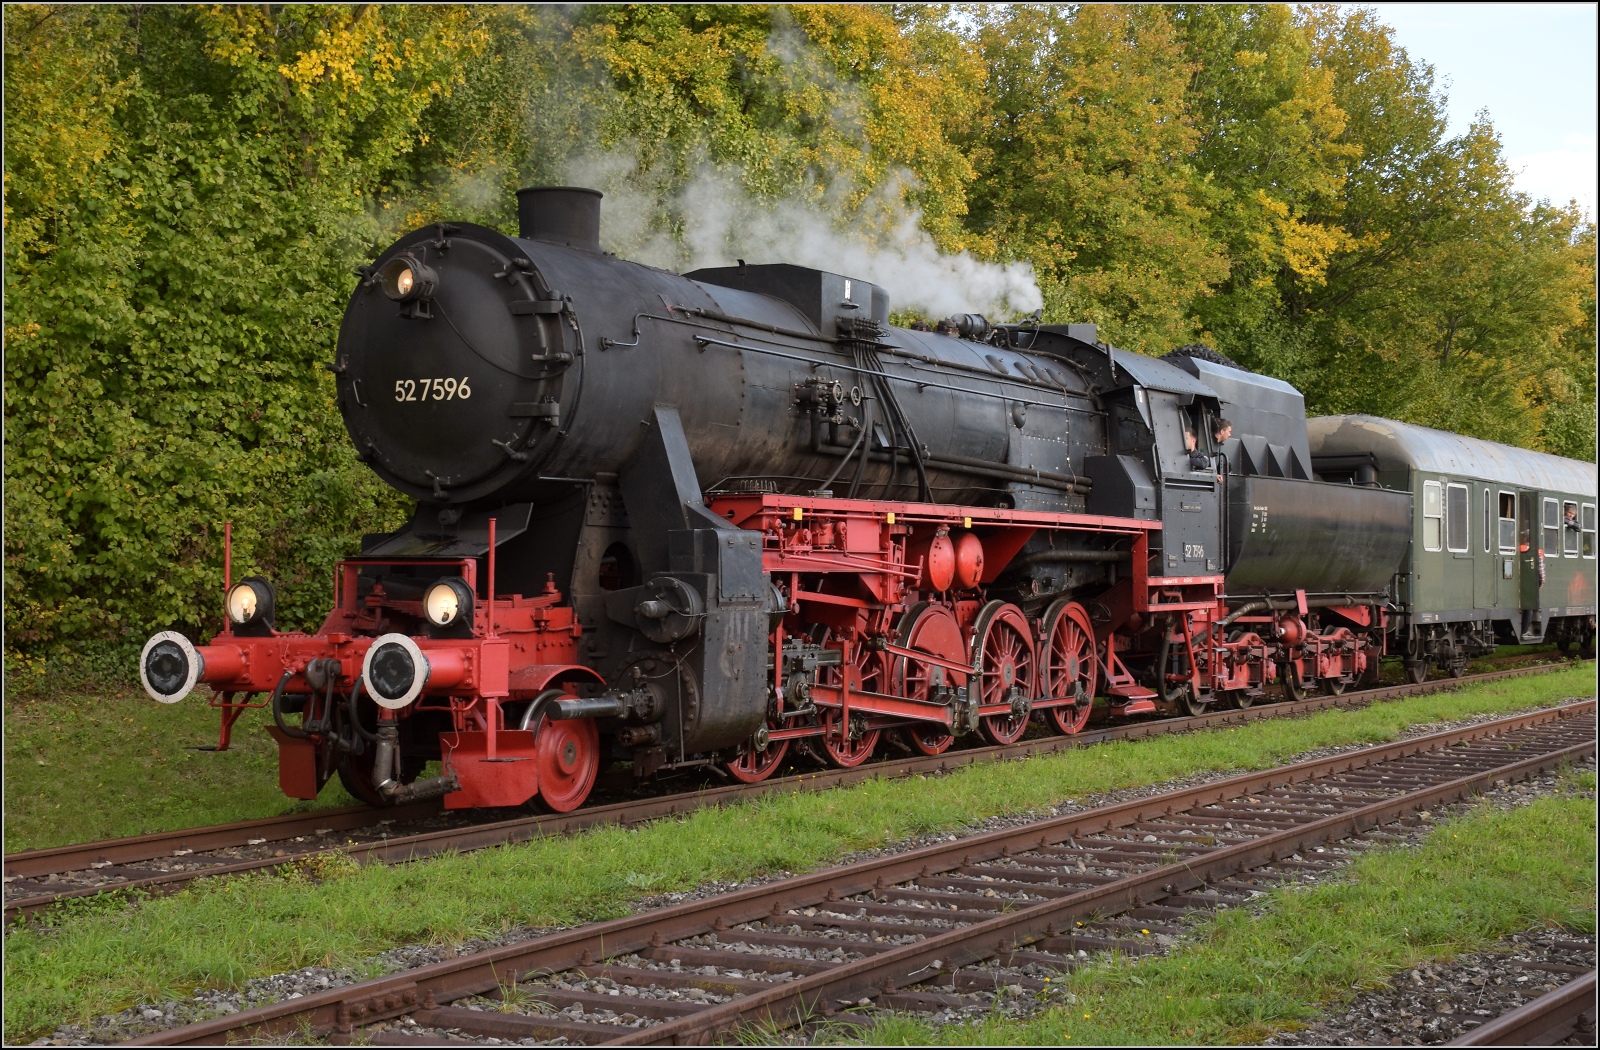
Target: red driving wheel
{"type": "Point", "coordinates": [1002, 649]}
{"type": "Point", "coordinates": [932, 629]}
{"type": "Point", "coordinates": [1067, 664]}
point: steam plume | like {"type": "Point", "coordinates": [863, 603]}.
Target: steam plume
{"type": "Point", "coordinates": [716, 222]}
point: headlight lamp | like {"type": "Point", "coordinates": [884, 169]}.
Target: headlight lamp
{"type": "Point", "coordinates": [448, 602]}
{"type": "Point", "coordinates": [405, 279]}
{"type": "Point", "coordinates": [250, 603]}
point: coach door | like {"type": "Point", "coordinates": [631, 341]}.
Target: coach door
{"type": "Point", "coordinates": [1528, 563]}
{"type": "Point", "coordinates": [1457, 586]}
{"type": "Point", "coordinates": [1506, 576]}
{"type": "Point", "coordinates": [1485, 582]}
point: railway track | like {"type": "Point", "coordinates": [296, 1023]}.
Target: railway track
{"type": "Point", "coordinates": [940, 928]}
{"type": "Point", "coordinates": [167, 861]}
{"type": "Point", "coordinates": [1552, 1017]}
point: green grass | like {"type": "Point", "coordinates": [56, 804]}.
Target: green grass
{"type": "Point", "coordinates": [1474, 880]}
{"type": "Point", "coordinates": [80, 767]}
{"type": "Point", "coordinates": [222, 932]}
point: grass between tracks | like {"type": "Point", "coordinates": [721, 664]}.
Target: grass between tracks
{"type": "Point", "coordinates": [1474, 880]}
{"type": "Point", "coordinates": [81, 766]}
{"type": "Point", "coordinates": [83, 763]}
{"type": "Point", "coordinates": [220, 933]}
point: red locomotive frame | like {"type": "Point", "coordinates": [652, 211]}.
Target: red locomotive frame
{"type": "Point", "coordinates": [894, 597]}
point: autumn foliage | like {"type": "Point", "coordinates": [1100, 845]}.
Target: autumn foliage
{"type": "Point", "coordinates": [188, 188]}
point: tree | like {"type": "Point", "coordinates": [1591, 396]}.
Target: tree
{"type": "Point", "coordinates": [1086, 167]}
{"type": "Point", "coordinates": [174, 289]}
{"type": "Point", "coordinates": [1274, 162]}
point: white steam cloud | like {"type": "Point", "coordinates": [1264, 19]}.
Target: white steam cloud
{"type": "Point", "coordinates": [716, 222]}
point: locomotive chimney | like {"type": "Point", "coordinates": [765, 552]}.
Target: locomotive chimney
{"type": "Point", "coordinates": [567, 215]}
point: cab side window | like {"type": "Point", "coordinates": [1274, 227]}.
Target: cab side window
{"type": "Point", "coordinates": [1432, 516]}
{"type": "Point", "coordinates": [1132, 435]}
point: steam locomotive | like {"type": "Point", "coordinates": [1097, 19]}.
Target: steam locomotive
{"type": "Point", "coordinates": [734, 517]}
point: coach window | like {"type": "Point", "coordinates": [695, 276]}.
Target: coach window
{"type": "Point", "coordinates": [1456, 518]}
{"type": "Point", "coordinates": [1488, 521]}
{"type": "Point", "coordinates": [1508, 521]}
{"type": "Point", "coordinates": [1569, 536]}
{"type": "Point", "coordinates": [1432, 516]}
{"type": "Point", "coordinates": [1552, 526]}
{"type": "Point", "coordinates": [1588, 530]}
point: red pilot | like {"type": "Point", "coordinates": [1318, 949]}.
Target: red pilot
{"type": "Point", "coordinates": [376, 710]}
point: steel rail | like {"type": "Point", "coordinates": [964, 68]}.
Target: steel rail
{"type": "Point", "coordinates": [1547, 1020]}
{"type": "Point", "coordinates": [55, 860]}
{"type": "Point", "coordinates": [403, 848]}
{"type": "Point", "coordinates": [586, 946]}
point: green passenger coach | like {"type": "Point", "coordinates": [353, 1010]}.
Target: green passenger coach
{"type": "Point", "coordinates": [1503, 540]}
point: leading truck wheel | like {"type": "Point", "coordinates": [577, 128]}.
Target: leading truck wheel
{"type": "Point", "coordinates": [847, 745]}
{"type": "Point", "coordinates": [568, 756]}
{"type": "Point", "coordinates": [755, 765]}
{"type": "Point", "coordinates": [928, 739]}
{"type": "Point", "coordinates": [761, 756]}
{"type": "Point", "coordinates": [843, 751]}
